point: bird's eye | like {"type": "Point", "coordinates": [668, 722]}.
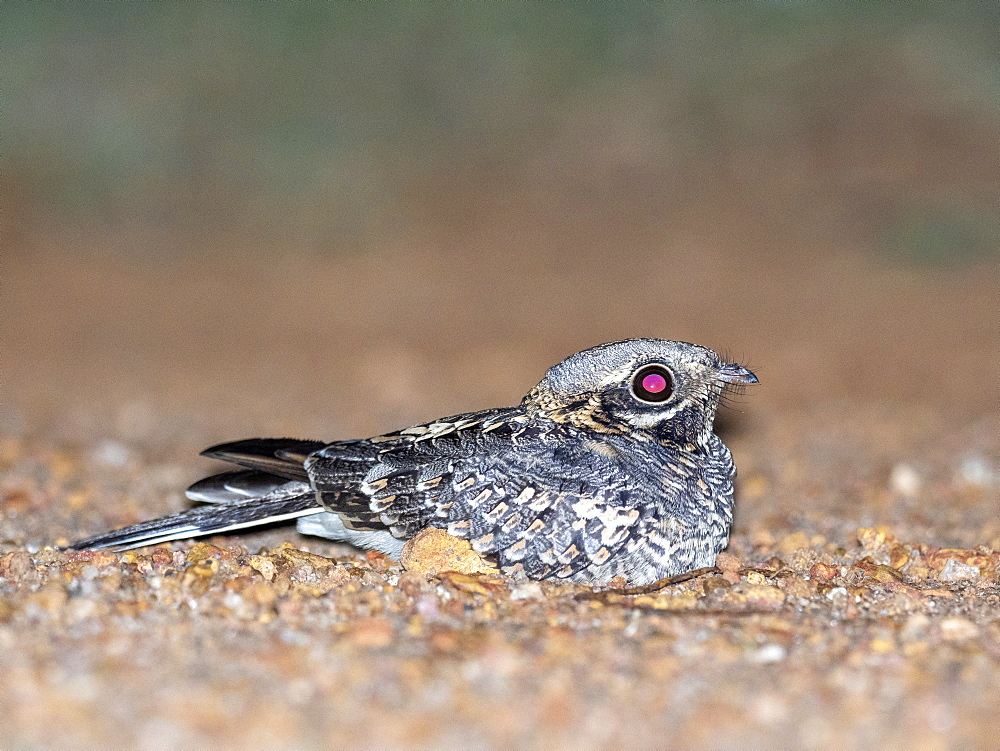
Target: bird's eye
{"type": "Point", "coordinates": [652, 383]}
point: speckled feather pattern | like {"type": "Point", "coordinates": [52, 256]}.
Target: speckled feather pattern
{"type": "Point", "coordinates": [582, 481]}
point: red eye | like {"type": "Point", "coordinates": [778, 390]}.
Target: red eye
{"type": "Point", "coordinates": [653, 383]}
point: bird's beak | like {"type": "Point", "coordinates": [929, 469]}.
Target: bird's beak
{"type": "Point", "coordinates": [733, 373]}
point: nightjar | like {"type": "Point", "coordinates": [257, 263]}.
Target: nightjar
{"type": "Point", "coordinates": [608, 467]}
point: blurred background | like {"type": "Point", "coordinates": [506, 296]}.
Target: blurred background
{"type": "Point", "coordinates": [336, 219]}
{"type": "Point", "coordinates": [329, 220]}
{"type": "Point", "coordinates": [489, 188]}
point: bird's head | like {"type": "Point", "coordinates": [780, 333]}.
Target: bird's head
{"type": "Point", "coordinates": [668, 389]}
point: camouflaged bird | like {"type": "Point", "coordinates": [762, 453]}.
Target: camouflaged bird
{"type": "Point", "coordinates": [608, 467]}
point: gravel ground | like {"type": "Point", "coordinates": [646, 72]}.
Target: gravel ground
{"type": "Point", "coordinates": [858, 604]}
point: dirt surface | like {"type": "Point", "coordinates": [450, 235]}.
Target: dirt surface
{"type": "Point", "coordinates": [858, 604]}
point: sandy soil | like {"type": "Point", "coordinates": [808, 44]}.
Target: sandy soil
{"type": "Point", "coordinates": [858, 605]}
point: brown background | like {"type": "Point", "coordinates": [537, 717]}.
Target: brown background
{"type": "Point", "coordinates": [332, 221]}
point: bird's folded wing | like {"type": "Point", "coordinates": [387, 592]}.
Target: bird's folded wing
{"type": "Point", "coordinates": [512, 491]}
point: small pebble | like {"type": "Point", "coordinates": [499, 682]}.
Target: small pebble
{"type": "Point", "coordinates": [111, 454]}
{"type": "Point", "coordinates": [954, 571]}
{"type": "Point", "coordinates": [958, 629]}
{"type": "Point", "coordinates": [977, 472]}
{"type": "Point", "coordinates": [905, 481]}
{"type": "Point", "coordinates": [433, 551]}
{"type": "Point", "coordinates": [528, 590]}
{"type": "Point", "coordinates": [770, 653]}
{"type": "Point", "coordinates": [727, 562]}
{"type": "Point", "coordinates": [824, 571]}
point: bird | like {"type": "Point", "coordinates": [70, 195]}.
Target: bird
{"type": "Point", "coordinates": [609, 467]}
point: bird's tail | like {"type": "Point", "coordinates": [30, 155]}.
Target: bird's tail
{"type": "Point", "coordinates": [294, 499]}
{"type": "Point", "coordinates": [276, 489]}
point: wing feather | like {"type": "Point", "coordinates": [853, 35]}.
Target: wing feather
{"type": "Point", "coordinates": [519, 492]}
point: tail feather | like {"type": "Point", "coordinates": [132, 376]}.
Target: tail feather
{"type": "Point", "coordinates": [275, 487]}
{"type": "Point", "coordinates": [278, 456]}
{"type": "Point", "coordinates": [206, 520]}
{"type": "Point", "coordinates": [234, 487]}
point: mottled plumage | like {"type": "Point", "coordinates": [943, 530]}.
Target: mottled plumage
{"type": "Point", "coordinates": [608, 467]}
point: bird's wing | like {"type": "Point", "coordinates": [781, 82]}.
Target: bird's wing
{"type": "Point", "coordinates": [338, 470]}
{"type": "Point", "coordinates": [537, 497]}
